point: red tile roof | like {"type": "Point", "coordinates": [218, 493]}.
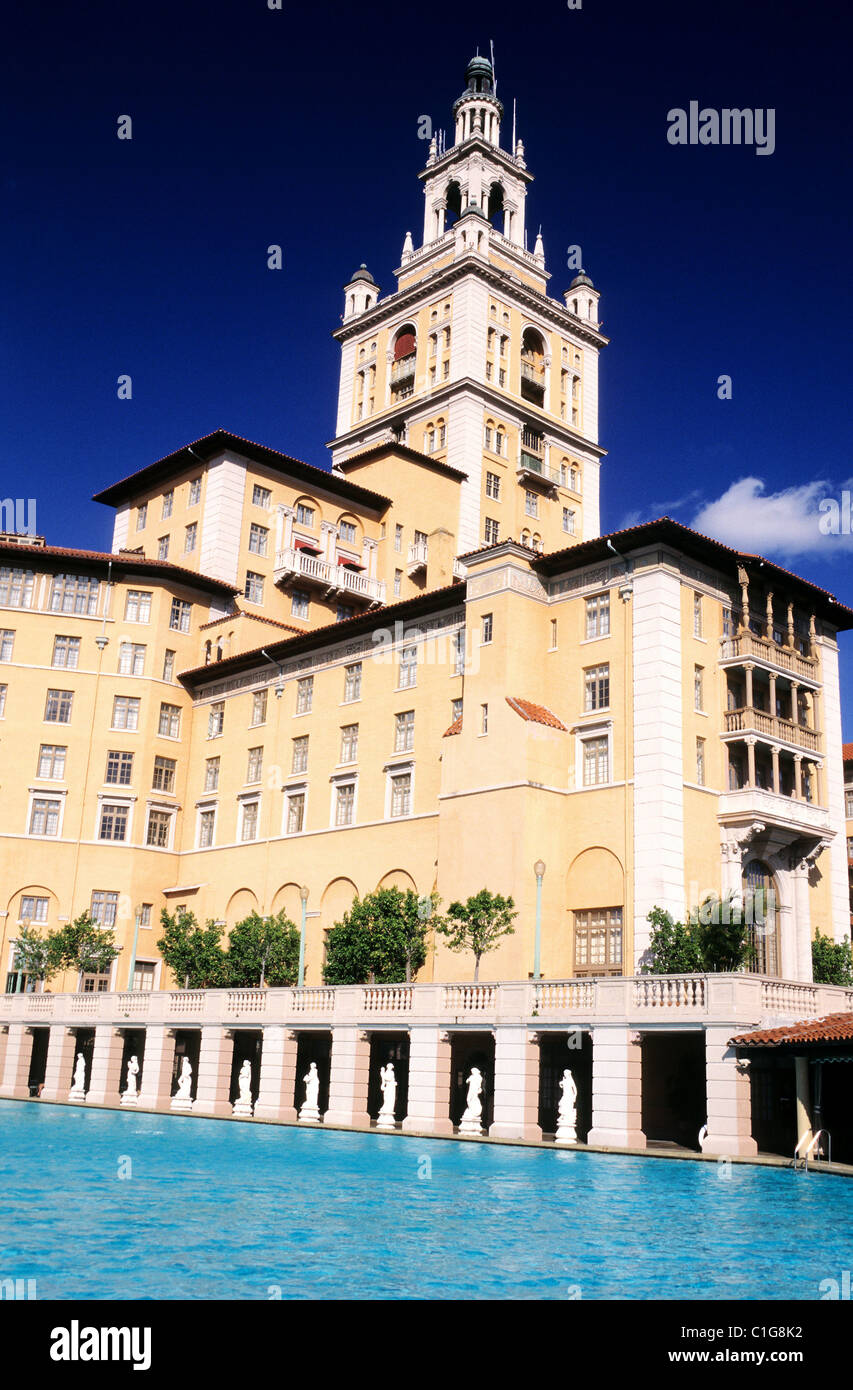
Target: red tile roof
{"type": "Point", "coordinates": [847, 752]}
{"type": "Point", "coordinates": [126, 560]}
{"type": "Point", "coordinates": [455, 728]}
{"type": "Point", "coordinates": [834, 1028]}
{"type": "Point", "coordinates": [256, 618]}
{"type": "Point", "coordinates": [537, 714]}
{"type": "Point", "coordinates": [406, 451]}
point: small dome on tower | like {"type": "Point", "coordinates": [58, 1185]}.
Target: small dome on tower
{"type": "Point", "coordinates": [479, 76]}
{"type": "Point", "coordinates": [581, 279]}
{"type": "Point", "coordinates": [362, 274]}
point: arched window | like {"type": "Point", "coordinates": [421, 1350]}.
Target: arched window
{"type": "Point", "coordinates": [499, 441]}
{"type": "Point", "coordinates": [532, 366]}
{"type": "Point", "coordinates": [495, 205]}
{"type": "Point", "coordinates": [403, 365]}
{"type": "Point", "coordinates": [430, 439]}
{"type": "Point", "coordinates": [759, 901]}
{"type": "Point", "coordinates": [453, 203]}
{"type": "Point", "coordinates": [442, 434]}
{"type": "Point", "coordinates": [208, 646]}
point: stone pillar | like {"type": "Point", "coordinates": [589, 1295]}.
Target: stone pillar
{"type": "Point", "coordinates": [277, 1081]}
{"type": "Point", "coordinates": [802, 954]}
{"type": "Point", "coordinates": [816, 711]}
{"type": "Point", "coordinates": [791, 633]}
{"type": "Point", "coordinates": [59, 1066]}
{"type": "Point", "coordinates": [4, 1038]}
{"type": "Point", "coordinates": [804, 1107]}
{"type": "Point", "coordinates": [795, 702]}
{"type": "Point", "coordinates": [617, 1089]}
{"type": "Point", "coordinates": [774, 753]}
{"type": "Point", "coordinates": [348, 1078]}
{"type": "Point", "coordinates": [516, 1098]}
{"type": "Point", "coordinates": [429, 1082]}
{"type": "Point", "coordinates": [729, 1119]}
{"type": "Point", "coordinates": [214, 1071]}
{"type": "Point", "coordinates": [155, 1083]}
{"type": "Point", "coordinates": [16, 1065]}
{"type": "Point", "coordinates": [798, 776]}
{"type": "Point", "coordinates": [772, 680]}
{"type": "Point", "coordinates": [750, 759]}
{"type": "Point", "coordinates": [106, 1066]}
{"type": "Point", "coordinates": [749, 668]}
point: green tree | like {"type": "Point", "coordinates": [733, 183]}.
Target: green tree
{"type": "Point", "coordinates": [721, 932]}
{"type": "Point", "coordinates": [832, 963]}
{"type": "Point", "coordinates": [194, 954]}
{"type": "Point", "coordinates": [32, 955]}
{"type": "Point", "coordinates": [81, 945]}
{"type": "Point", "coordinates": [381, 939]}
{"type": "Point", "coordinates": [262, 950]}
{"type": "Point", "coordinates": [478, 924]}
{"type": "Point", "coordinates": [673, 949]}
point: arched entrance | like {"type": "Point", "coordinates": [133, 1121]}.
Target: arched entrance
{"type": "Point", "coordinates": [760, 900]}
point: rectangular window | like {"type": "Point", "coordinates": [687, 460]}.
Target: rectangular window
{"type": "Point", "coordinates": [698, 688]}
{"type": "Point", "coordinates": [125, 712]}
{"type": "Point", "coordinates": [459, 652]}
{"type": "Point", "coordinates": [598, 942]}
{"type": "Point", "coordinates": [170, 721]}
{"type": "Point", "coordinates": [698, 624]}
{"type": "Point", "coordinates": [258, 539]}
{"type": "Point", "coordinates": [34, 909]}
{"type": "Point", "coordinates": [211, 774]}
{"type": "Point", "coordinates": [157, 833]}
{"type": "Point", "coordinates": [398, 583]}
{"type": "Point", "coordinates": [44, 817]}
{"type": "Point", "coordinates": [113, 824]}
{"type": "Point", "coordinates": [295, 812]}
{"type": "Point", "coordinates": [455, 710]}
{"type": "Point", "coordinates": [66, 652]}
{"type": "Point", "coordinates": [596, 761]}
{"type": "Point", "coordinates": [216, 719]}
{"type": "Point", "coordinates": [137, 606]}
{"type": "Point", "coordinates": [261, 496]}
{"type": "Point", "coordinates": [168, 500]}
{"type": "Point", "coordinates": [344, 611]}
{"type": "Point", "coordinates": [848, 798]}
{"type": "Point", "coordinates": [254, 590]}
{"type": "Point", "coordinates": [398, 538]}
{"type": "Point", "coordinates": [206, 822]}
{"type": "Point", "coordinates": [119, 770]}
{"type": "Point", "coordinates": [344, 803]}
{"type": "Point", "coordinates": [401, 794]}
{"type": "Point", "coordinates": [349, 743]}
{"type": "Point", "coordinates": [404, 731]}
{"type": "Point", "coordinates": [57, 708]}
{"type": "Point", "coordinates": [304, 694]}
{"type": "Point", "coordinates": [51, 762]}
{"type": "Point", "coordinates": [486, 629]}
{"type": "Point", "coordinates": [16, 587]}
{"type": "Point", "coordinates": [487, 444]}
{"type": "Point", "coordinates": [408, 667]}
{"type": "Point", "coordinates": [700, 761]}
{"type": "Point", "coordinates": [190, 537]}
{"type": "Point", "coordinates": [304, 515]}
{"type": "Point", "coordinates": [299, 762]}
{"type": "Point", "coordinates": [492, 531]}
{"type": "Point", "coordinates": [4, 690]}
{"type": "Point", "coordinates": [7, 644]}
{"type": "Point", "coordinates": [104, 908]}
{"type": "Point", "coordinates": [493, 486]}
{"type": "Point", "coordinates": [163, 548]}
{"type": "Point", "coordinates": [568, 521]}
{"type": "Point", "coordinates": [259, 707]}
{"type": "Point", "coordinates": [346, 530]}
{"type": "Point", "coordinates": [484, 719]}
{"type": "Point", "coordinates": [131, 659]}
{"type": "Point", "coordinates": [141, 516]}
{"type": "Point", "coordinates": [249, 821]}
{"type": "Point", "coordinates": [179, 616]}
{"type": "Point", "coordinates": [553, 646]}
{"type": "Point", "coordinates": [143, 975]}
{"type": "Point", "coordinates": [352, 682]}
{"type": "Point", "coordinates": [531, 504]}
{"type": "Point", "coordinates": [194, 493]}
{"type": "Point", "coordinates": [596, 688]}
{"type": "Point", "coordinates": [74, 593]}
{"type": "Point", "coordinates": [254, 765]}
{"type": "Point", "coordinates": [598, 616]}
{"type": "Point", "coordinates": [298, 604]}
{"type": "Point", "coordinates": [168, 664]}
{"type": "Point", "coordinates": [163, 779]}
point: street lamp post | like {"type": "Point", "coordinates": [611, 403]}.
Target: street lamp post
{"type": "Point", "coordinates": [303, 893]}
{"type": "Point", "coordinates": [132, 971]}
{"type": "Point", "coordinates": [539, 870]}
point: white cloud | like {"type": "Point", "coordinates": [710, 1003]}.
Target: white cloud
{"type": "Point", "coordinates": [784, 524]}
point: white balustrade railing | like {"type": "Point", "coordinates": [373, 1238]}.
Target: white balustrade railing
{"type": "Point", "coordinates": [777, 996]}
{"type": "Point", "coordinates": [307, 566]}
{"type": "Point", "coordinates": [470, 998]}
{"type": "Point", "coordinates": [669, 992]}
{"type": "Point", "coordinates": [246, 1001]}
{"type": "Point", "coordinates": [567, 995]}
{"type": "Point", "coordinates": [313, 1000]}
{"type": "Point", "coordinates": [387, 999]}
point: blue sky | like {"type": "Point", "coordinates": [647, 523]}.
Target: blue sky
{"type": "Point", "coordinates": [253, 126]}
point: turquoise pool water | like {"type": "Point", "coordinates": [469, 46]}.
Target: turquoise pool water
{"type": "Point", "coordinates": [238, 1211]}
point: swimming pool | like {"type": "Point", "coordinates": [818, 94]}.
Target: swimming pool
{"type": "Point", "coordinates": [103, 1204]}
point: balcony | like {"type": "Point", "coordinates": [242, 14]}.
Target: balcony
{"type": "Point", "coordinates": [403, 370]}
{"type": "Point", "coordinates": [417, 557]}
{"type": "Point", "coordinates": [532, 372]}
{"type": "Point", "coordinates": [770, 726]}
{"type": "Point", "coordinates": [333, 579]}
{"type": "Point", "coordinates": [771, 808]}
{"type": "Point", "coordinates": [749, 647]}
{"type": "Point", "coordinates": [532, 466]}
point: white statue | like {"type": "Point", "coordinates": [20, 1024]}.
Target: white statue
{"type": "Point", "coordinates": [310, 1113]}
{"type": "Point", "coordinates": [472, 1120]}
{"type": "Point", "coordinates": [386, 1119]}
{"type": "Point", "coordinates": [78, 1085]}
{"type": "Point", "coordinates": [130, 1095]}
{"type": "Point", "coordinates": [567, 1112]}
{"type": "Point", "coordinates": [182, 1099]}
{"type": "Point", "coordinates": [243, 1103]}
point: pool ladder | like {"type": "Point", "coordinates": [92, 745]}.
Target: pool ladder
{"type": "Point", "coordinates": [810, 1147]}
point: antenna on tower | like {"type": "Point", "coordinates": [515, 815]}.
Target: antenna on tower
{"type": "Point", "coordinates": [494, 77]}
{"type": "Point", "coordinates": [513, 125]}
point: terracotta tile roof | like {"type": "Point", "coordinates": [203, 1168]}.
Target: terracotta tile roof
{"type": "Point", "coordinates": [406, 451]}
{"type": "Point", "coordinates": [537, 714]}
{"type": "Point", "coordinates": [836, 1028]}
{"type": "Point", "coordinates": [455, 728]}
{"type": "Point", "coordinates": [256, 618]}
{"type": "Point", "coordinates": [127, 560]}
{"type": "Point", "coordinates": [847, 752]}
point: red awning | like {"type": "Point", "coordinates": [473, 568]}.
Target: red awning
{"type": "Point", "coordinates": [349, 562]}
{"type": "Point", "coordinates": [306, 545]}
{"type": "Point", "coordinates": [404, 346]}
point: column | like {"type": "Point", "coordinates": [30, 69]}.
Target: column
{"type": "Point", "coordinates": [348, 1078]}
{"type": "Point", "coordinates": [106, 1066]}
{"type": "Point", "coordinates": [802, 953]}
{"type": "Point", "coordinates": [157, 1063]}
{"type": "Point", "coordinates": [750, 757]}
{"type": "Point", "coordinates": [16, 1065]}
{"type": "Point", "coordinates": [749, 668]}
{"type": "Point", "coordinates": [816, 711]}
{"type": "Point", "coordinates": [617, 1089]}
{"type": "Point", "coordinates": [277, 1081]}
{"type": "Point", "coordinates": [772, 679]}
{"type": "Point", "coordinates": [774, 753]}
{"type": "Point", "coordinates": [516, 1098]}
{"type": "Point", "coordinates": [798, 776]}
{"type": "Point", "coordinates": [804, 1109]}
{"type": "Point", "coordinates": [59, 1066]}
{"type": "Point", "coordinates": [329, 534]}
{"type": "Point", "coordinates": [791, 632]}
{"type": "Point", "coordinates": [795, 687]}
{"type": "Point", "coordinates": [213, 1086]}
{"type": "Point", "coordinates": [429, 1082]}
{"type": "Point", "coordinates": [729, 1103]}
{"type": "Point", "coordinates": [769, 618]}
{"type": "Point", "coordinates": [4, 1038]}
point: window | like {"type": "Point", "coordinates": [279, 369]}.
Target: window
{"type": "Point", "coordinates": [596, 688]}
{"type": "Point", "coordinates": [401, 794]}
{"type": "Point", "coordinates": [492, 531]}
{"type": "Point", "coordinates": [157, 834]}
{"type": "Point", "coordinates": [51, 762]}
{"type": "Point", "coordinates": [195, 492]}
{"type": "Point", "coordinates": [141, 516]}
{"type": "Point", "coordinates": [598, 942]}
{"type": "Point", "coordinates": [344, 611]}
{"type": "Point", "coordinates": [16, 587]}
{"type": "Point", "coordinates": [486, 629]}
{"type": "Point", "coordinates": [408, 667]}
{"type": "Point", "coordinates": [143, 975]}
{"type": "Point", "coordinates": [104, 908]}
{"type": "Point", "coordinates": [344, 803]}
{"type": "Point", "coordinates": [254, 590]}
{"type": "Point", "coordinates": [179, 617]}
{"type": "Point", "coordinates": [455, 710]}
{"type": "Point", "coordinates": [73, 593]}
{"type": "Point", "coordinates": [137, 606]}
{"type": "Point", "coordinates": [254, 765]}
{"type": "Point", "coordinates": [258, 539]}
{"type": "Point", "coordinates": [7, 644]}
{"type": "Point", "coordinates": [261, 496]}
{"type": "Point", "coordinates": [163, 548]}
{"type": "Point", "coordinates": [119, 771]}
{"type": "Point", "coordinates": [168, 500]}
{"type": "Point", "coordinates": [698, 688]}
{"type": "Point", "coordinates": [211, 774]}
{"type": "Point", "coordinates": [598, 616]}
{"type": "Point", "coordinates": [295, 812]}
{"type": "Point", "coordinates": [131, 659]}
{"type": "Point", "coordinates": [848, 798]}
{"type": "Point", "coordinates": [404, 731]}
{"type": "Point", "coordinates": [216, 719]}
{"type": "Point", "coordinates": [4, 690]}
{"type": "Point", "coordinates": [352, 682]}
{"type": "Point", "coordinates": [531, 504]}
{"type": "Point", "coordinates": [500, 438]}
{"type": "Point", "coordinates": [487, 444]}
{"type": "Point", "coordinates": [190, 537]}
{"type": "Point", "coordinates": [596, 761]}
{"type": "Point", "coordinates": [459, 652]}
{"type": "Point", "coordinates": [163, 779]}
{"type": "Point", "coordinates": [113, 824]}
{"type": "Point", "coordinates": [249, 821]}
{"type": "Point", "coordinates": [346, 530]}
{"type": "Point", "coordinates": [349, 743]}
{"type": "Point", "coordinates": [697, 615]}
{"type": "Point", "coordinates": [398, 538]}
{"type": "Point", "coordinates": [298, 604]}
{"type": "Point", "coordinates": [398, 583]}
{"type": "Point", "coordinates": [700, 761]}
{"type": "Point", "coordinates": [57, 708]}
{"type": "Point", "coordinates": [170, 721]}
{"type": "Point", "coordinates": [299, 762]}
{"type": "Point", "coordinates": [304, 694]}
{"type": "Point", "coordinates": [34, 909]}
{"type": "Point", "coordinates": [66, 652]}
{"type": "Point", "coordinates": [168, 664]}
{"type": "Point", "coordinates": [493, 486]}
{"type": "Point", "coordinates": [304, 515]}
{"type": "Point", "coordinates": [553, 646]}
{"type": "Point", "coordinates": [125, 712]}
{"type": "Point", "coordinates": [259, 707]}
{"type": "Point", "coordinates": [484, 719]}
{"type": "Point", "coordinates": [206, 822]}
{"type": "Point", "coordinates": [568, 521]}
{"type": "Point", "coordinates": [44, 816]}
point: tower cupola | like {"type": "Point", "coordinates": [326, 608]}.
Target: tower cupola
{"type": "Point", "coordinates": [477, 111]}
{"type": "Point", "coordinates": [361, 292]}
